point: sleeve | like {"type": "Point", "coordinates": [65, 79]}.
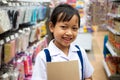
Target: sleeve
{"type": "Point", "coordinates": [39, 69]}
{"type": "Point", "coordinates": [88, 68]}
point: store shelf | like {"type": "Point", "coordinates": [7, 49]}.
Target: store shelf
{"type": "Point", "coordinates": [110, 76]}
{"type": "Point", "coordinates": [33, 0]}
{"type": "Point", "coordinates": [110, 48]}
{"type": "Point", "coordinates": [113, 31]}
{"type": "Point", "coordinates": [114, 15]}
{"type": "Point", "coordinates": [106, 68]}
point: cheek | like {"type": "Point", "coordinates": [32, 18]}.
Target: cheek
{"type": "Point", "coordinates": [75, 34]}
{"type": "Point", "coordinates": [58, 32]}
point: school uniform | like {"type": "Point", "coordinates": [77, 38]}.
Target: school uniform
{"type": "Point", "coordinates": [39, 70]}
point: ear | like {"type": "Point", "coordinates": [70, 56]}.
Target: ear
{"type": "Point", "coordinates": [51, 26]}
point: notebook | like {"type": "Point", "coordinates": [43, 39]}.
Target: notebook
{"type": "Point", "coordinates": [67, 70]}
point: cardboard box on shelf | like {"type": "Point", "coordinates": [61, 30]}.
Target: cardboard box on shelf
{"type": "Point", "coordinates": [117, 38]}
{"type": "Point", "coordinates": [117, 25]}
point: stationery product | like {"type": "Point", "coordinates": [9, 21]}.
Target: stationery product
{"type": "Point", "coordinates": [33, 35]}
{"type": "Point", "coordinates": [4, 21]}
{"type": "Point", "coordinates": [9, 51]}
{"type": "Point", "coordinates": [27, 65]}
{"type": "Point", "coordinates": [20, 68]}
{"type": "Point", "coordinates": [25, 39]}
{"type": "Point", "coordinates": [13, 74]}
{"type": "Point", "coordinates": [67, 70]}
{"type": "Point", "coordinates": [4, 76]}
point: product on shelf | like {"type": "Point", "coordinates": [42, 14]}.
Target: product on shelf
{"type": "Point", "coordinates": [113, 63]}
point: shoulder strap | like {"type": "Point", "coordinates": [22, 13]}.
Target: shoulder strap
{"type": "Point", "coordinates": [81, 59]}
{"type": "Point", "coordinates": [48, 57]}
{"type": "Point", "coordinates": [47, 53]}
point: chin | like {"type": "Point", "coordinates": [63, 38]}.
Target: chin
{"type": "Point", "coordinates": [66, 45]}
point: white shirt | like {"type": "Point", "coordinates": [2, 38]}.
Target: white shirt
{"type": "Point", "coordinates": [39, 70]}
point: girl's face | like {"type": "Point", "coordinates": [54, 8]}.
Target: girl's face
{"type": "Point", "coordinates": [65, 32]}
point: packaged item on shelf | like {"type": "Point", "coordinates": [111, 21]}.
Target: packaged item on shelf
{"type": "Point", "coordinates": [117, 38]}
{"type": "Point", "coordinates": [117, 44]}
{"type": "Point", "coordinates": [117, 48]}
{"type": "Point", "coordinates": [111, 38]}
{"type": "Point", "coordinates": [20, 67]}
{"type": "Point", "coordinates": [111, 64]}
{"type": "Point", "coordinates": [33, 36]}
{"type": "Point", "coordinates": [18, 44]}
{"type": "Point", "coordinates": [4, 21]}
{"type": "Point", "coordinates": [4, 76]}
{"type": "Point", "coordinates": [27, 60]}
{"type": "Point", "coordinates": [43, 31]}
{"type": "Point", "coordinates": [118, 69]}
{"type": "Point", "coordinates": [117, 25]}
{"type": "Point", "coordinates": [8, 72]}
{"type": "Point", "coordinates": [37, 33]}
{"type": "Point", "coordinates": [9, 51]}
{"type": "Point", "coordinates": [29, 57]}
{"type": "Point", "coordinates": [13, 74]}
{"type": "Point", "coordinates": [25, 39]}
{"type": "Point", "coordinates": [26, 66]}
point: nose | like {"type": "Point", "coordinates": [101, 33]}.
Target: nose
{"type": "Point", "coordinates": [68, 32]}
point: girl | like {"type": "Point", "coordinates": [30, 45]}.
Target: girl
{"type": "Point", "coordinates": [64, 24]}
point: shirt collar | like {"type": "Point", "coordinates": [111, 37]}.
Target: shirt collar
{"type": "Point", "coordinates": [54, 50]}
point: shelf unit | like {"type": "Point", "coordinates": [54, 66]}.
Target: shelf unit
{"type": "Point", "coordinates": [113, 53]}
{"type": "Point", "coordinates": [30, 49]}
{"type": "Point", "coordinates": [111, 77]}
{"type": "Point", "coordinates": [109, 47]}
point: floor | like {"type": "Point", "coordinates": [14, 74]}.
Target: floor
{"type": "Point", "coordinates": [96, 55]}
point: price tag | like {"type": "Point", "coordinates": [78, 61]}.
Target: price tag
{"type": "Point", "coordinates": [17, 4]}
{"type": "Point", "coordinates": [10, 4]}
{"type": "Point", "coordinates": [1, 42]}
{"type": "Point", "coordinates": [28, 29]}
{"type": "Point", "coordinates": [4, 1]}
{"type": "Point", "coordinates": [7, 39]}
{"type": "Point", "coordinates": [5, 75]}
{"type": "Point", "coordinates": [16, 35]}
{"type": "Point", "coordinates": [12, 37]}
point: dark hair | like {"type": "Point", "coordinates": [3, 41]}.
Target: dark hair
{"type": "Point", "coordinates": [64, 12]}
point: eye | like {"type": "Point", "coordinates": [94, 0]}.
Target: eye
{"type": "Point", "coordinates": [75, 28]}
{"type": "Point", "coordinates": [64, 27]}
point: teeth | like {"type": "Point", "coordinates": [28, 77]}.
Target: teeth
{"type": "Point", "coordinates": [68, 39]}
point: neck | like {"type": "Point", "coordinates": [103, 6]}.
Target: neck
{"type": "Point", "coordinates": [65, 49]}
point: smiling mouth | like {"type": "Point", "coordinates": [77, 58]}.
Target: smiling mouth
{"type": "Point", "coordinates": [67, 40]}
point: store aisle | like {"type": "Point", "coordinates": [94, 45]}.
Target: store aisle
{"type": "Point", "coordinates": [96, 55]}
